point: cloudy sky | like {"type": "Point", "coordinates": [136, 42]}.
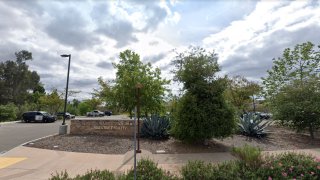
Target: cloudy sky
{"type": "Point", "coordinates": [246, 34]}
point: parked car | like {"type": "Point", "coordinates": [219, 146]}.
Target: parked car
{"type": "Point", "coordinates": [68, 115]}
{"type": "Point", "coordinates": [38, 116]}
{"type": "Point", "coordinates": [265, 115]}
{"type": "Point", "coordinates": [108, 113]}
{"type": "Point", "coordinates": [95, 113]}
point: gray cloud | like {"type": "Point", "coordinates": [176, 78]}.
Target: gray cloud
{"type": "Point", "coordinates": [253, 61]}
{"type": "Point", "coordinates": [166, 67]}
{"type": "Point", "coordinates": [154, 58]}
{"type": "Point", "coordinates": [153, 43]}
{"type": "Point", "coordinates": [104, 65]}
{"type": "Point", "coordinates": [112, 26]}
{"type": "Point", "coordinates": [83, 83]}
{"type": "Point", "coordinates": [155, 15]}
{"type": "Point", "coordinates": [120, 30]}
{"type": "Point", "coordinates": [28, 7]}
{"type": "Point", "coordinates": [69, 28]}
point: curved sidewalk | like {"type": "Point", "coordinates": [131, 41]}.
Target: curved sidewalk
{"type": "Point", "coordinates": [33, 163]}
{"type": "Point", "coordinates": [24, 163]}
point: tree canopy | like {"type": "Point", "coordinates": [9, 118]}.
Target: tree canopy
{"type": "Point", "coordinates": [240, 92]}
{"type": "Point", "coordinates": [292, 87]}
{"type": "Point", "coordinates": [202, 111]}
{"type": "Point", "coordinates": [17, 82]}
{"type": "Point", "coordinates": [130, 72]}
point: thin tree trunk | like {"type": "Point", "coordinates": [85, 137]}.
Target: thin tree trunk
{"type": "Point", "coordinates": [311, 131]}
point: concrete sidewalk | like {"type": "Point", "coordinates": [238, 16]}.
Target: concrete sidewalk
{"type": "Point", "coordinates": [24, 163]}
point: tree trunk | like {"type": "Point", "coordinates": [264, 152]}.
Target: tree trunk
{"type": "Point", "coordinates": [311, 131]}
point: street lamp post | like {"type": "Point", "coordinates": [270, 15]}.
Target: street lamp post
{"type": "Point", "coordinates": [138, 87]}
{"type": "Point", "coordinates": [64, 131]}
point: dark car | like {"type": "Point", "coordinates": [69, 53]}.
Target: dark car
{"type": "Point", "coordinates": [108, 113]}
{"type": "Point", "coordinates": [38, 116]}
{"type": "Point", "coordinates": [68, 115]}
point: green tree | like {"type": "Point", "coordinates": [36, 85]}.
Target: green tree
{"type": "Point", "coordinates": [202, 112]}
{"type": "Point", "coordinates": [84, 107]}
{"type": "Point", "coordinates": [240, 92]}
{"type": "Point", "coordinates": [298, 63]}
{"type": "Point", "coordinates": [106, 93]}
{"type": "Point", "coordinates": [298, 106]}
{"type": "Point", "coordinates": [17, 82]}
{"type": "Point", "coordinates": [52, 102]}
{"type": "Point", "coordinates": [130, 72]}
{"type": "Point", "coordinates": [292, 78]}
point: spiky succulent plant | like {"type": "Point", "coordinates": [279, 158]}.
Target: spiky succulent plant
{"type": "Point", "coordinates": [251, 125]}
{"type": "Point", "coordinates": [155, 127]}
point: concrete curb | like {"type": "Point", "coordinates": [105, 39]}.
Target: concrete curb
{"type": "Point", "coordinates": [5, 152]}
{"type": "Point", "coordinates": [10, 122]}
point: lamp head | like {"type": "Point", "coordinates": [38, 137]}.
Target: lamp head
{"type": "Point", "coordinates": [65, 55]}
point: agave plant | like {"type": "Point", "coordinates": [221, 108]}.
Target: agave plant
{"type": "Point", "coordinates": [155, 127]}
{"type": "Point", "coordinates": [251, 125]}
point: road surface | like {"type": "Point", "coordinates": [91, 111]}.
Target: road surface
{"type": "Point", "coordinates": [14, 134]}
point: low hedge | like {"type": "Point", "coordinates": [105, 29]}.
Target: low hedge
{"type": "Point", "coordinates": [283, 166]}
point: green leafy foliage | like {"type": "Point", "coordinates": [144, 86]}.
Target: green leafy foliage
{"type": "Point", "coordinates": [16, 80]}
{"type": "Point", "coordinates": [253, 166]}
{"type": "Point", "coordinates": [130, 72]}
{"type": "Point", "coordinates": [251, 125]}
{"type": "Point", "coordinates": [240, 92]}
{"type": "Point", "coordinates": [197, 170]}
{"type": "Point", "coordinates": [298, 63]}
{"type": "Point", "coordinates": [52, 102]}
{"type": "Point", "coordinates": [90, 175]}
{"type": "Point", "coordinates": [292, 89]}
{"type": "Point", "coordinates": [8, 112]}
{"type": "Point", "coordinates": [148, 170]}
{"type": "Point", "coordinates": [250, 156]}
{"type": "Point", "coordinates": [290, 166]}
{"type": "Point", "coordinates": [202, 112]}
{"type": "Point", "coordinates": [155, 127]}
{"type": "Point", "coordinates": [298, 106]}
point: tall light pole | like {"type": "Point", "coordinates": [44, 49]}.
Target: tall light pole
{"type": "Point", "coordinates": [66, 95]}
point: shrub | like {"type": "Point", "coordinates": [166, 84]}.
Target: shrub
{"type": "Point", "coordinates": [197, 170]}
{"type": "Point", "coordinates": [201, 118]}
{"type": "Point", "coordinates": [8, 112]}
{"type": "Point", "coordinates": [248, 155]}
{"type": "Point", "coordinates": [290, 166]}
{"type": "Point", "coordinates": [202, 112]}
{"type": "Point", "coordinates": [148, 170]}
{"type": "Point", "coordinates": [155, 127]}
{"type": "Point", "coordinates": [201, 170]}
{"type": "Point", "coordinates": [251, 125]}
{"type": "Point", "coordinates": [90, 175]}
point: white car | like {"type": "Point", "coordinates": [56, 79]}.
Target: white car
{"type": "Point", "coordinates": [95, 113]}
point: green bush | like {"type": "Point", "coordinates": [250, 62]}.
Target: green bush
{"type": "Point", "coordinates": [283, 166]}
{"type": "Point", "coordinates": [201, 118]}
{"type": "Point", "coordinates": [148, 170]}
{"type": "Point", "coordinates": [8, 112]}
{"type": "Point", "coordinates": [290, 166]}
{"type": "Point", "coordinates": [200, 170]}
{"type": "Point", "coordinates": [155, 127]}
{"type": "Point", "coordinates": [197, 170]}
{"type": "Point", "coordinates": [250, 156]}
{"type": "Point", "coordinates": [90, 175]}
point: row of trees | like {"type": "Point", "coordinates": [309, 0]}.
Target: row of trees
{"type": "Point", "coordinates": [209, 104]}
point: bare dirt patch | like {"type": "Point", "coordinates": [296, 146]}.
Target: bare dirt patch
{"type": "Point", "coordinates": [279, 139]}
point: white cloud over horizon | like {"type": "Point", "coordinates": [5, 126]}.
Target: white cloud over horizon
{"type": "Point", "coordinates": [246, 35]}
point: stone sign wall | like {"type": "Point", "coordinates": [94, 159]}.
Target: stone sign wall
{"type": "Point", "coordinates": [102, 127]}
